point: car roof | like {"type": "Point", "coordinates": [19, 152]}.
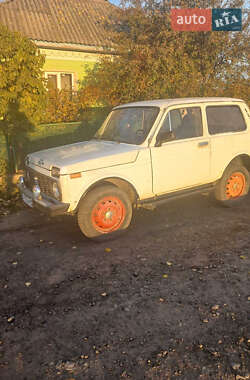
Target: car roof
{"type": "Point", "coordinates": [163, 103]}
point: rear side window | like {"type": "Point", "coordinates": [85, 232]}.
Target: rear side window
{"type": "Point", "coordinates": [222, 119]}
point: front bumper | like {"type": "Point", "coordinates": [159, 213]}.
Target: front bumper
{"type": "Point", "coordinates": [45, 204]}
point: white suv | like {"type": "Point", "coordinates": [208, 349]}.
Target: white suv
{"type": "Point", "coordinates": [144, 153]}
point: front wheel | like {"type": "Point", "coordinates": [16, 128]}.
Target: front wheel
{"type": "Point", "coordinates": [233, 185]}
{"type": "Point", "coordinates": [104, 210]}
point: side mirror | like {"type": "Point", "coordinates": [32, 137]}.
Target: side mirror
{"type": "Point", "coordinates": [164, 137]}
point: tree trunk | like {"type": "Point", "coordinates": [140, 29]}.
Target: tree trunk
{"type": "Point", "coordinates": [9, 154]}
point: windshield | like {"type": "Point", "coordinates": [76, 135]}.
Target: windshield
{"type": "Point", "coordinates": [129, 125]}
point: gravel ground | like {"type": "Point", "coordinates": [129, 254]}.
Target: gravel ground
{"type": "Point", "coordinates": [167, 300]}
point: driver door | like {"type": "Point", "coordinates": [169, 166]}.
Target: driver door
{"type": "Point", "coordinates": [184, 161]}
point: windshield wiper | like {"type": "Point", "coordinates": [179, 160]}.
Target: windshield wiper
{"type": "Point", "coordinates": [98, 138]}
{"type": "Point", "coordinates": [106, 139]}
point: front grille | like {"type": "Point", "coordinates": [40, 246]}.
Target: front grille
{"type": "Point", "coordinates": [45, 182]}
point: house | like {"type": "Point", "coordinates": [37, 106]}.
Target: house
{"type": "Point", "coordinates": [69, 32]}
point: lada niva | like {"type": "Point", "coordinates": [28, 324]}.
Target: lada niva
{"type": "Point", "coordinates": [145, 153]}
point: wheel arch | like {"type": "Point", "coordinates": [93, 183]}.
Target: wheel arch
{"type": "Point", "coordinates": [230, 188]}
{"type": "Point", "coordinates": [121, 183]}
{"type": "Point", "coordinates": [242, 159]}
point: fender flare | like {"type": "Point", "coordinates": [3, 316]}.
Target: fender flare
{"type": "Point", "coordinates": [120, 182]}
{"type": "Point", "coordinates": [242, 158]}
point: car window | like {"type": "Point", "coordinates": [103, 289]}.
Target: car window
{"type": "Point", "coordinates": [130, 125]}
{"type": "Point", "coordinates": [183, 122]}
{"type": "Point", "coordinates": [222, 119]}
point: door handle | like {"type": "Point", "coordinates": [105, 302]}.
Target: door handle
{"type": "Point", "coordinates": [203, 143]}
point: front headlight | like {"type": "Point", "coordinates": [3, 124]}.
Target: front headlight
{"type": "Point", "coordinates": [21, 181]}
{"type": "Point", "coordinates": [55, 172]}
{"type": "Point", "coordinates": [56, 191]}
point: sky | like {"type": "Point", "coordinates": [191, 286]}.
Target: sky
{"type": "Point", "coordinates": [246, 3]}
{"type": "Point", "coordinates": [116, 2]}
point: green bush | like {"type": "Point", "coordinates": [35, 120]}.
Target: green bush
{"type": "Point", "coordinates": [62, 106]}
{"type": "Point", "coordinates": [46, 136]}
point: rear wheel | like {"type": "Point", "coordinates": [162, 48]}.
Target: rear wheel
{"type": "Point", "coordinates": [233, 185]}
{"type": "Point", "coordinates": [104, 210]}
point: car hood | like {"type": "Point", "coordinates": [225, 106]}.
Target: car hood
{"type": "Point", "coordinates": [83, 156]}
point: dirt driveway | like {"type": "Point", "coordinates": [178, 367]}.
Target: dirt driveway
{"type": "Point", "coordinates": [168, 300]}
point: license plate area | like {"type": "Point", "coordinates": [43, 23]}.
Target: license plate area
{"type": "Point", "coordinates": [28, 201]}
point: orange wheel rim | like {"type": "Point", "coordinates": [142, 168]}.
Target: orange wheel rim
{"type": "Point", "coordinates": [235, 185]}
{"type": "Point", "coordinates": [108, 214]}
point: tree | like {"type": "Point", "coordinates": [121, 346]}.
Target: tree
{"type": "Point", "coordinates": [22, 91]}
{"type": "Point", "coordinates": [153, 61]}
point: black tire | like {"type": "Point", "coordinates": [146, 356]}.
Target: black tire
{"type": "Point", "coordinates": [91, 210]}
{"type": "Point", "coordinates": [236, 175]}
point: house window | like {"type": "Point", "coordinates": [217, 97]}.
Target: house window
{"type": "Point", "coordinates": [66, 81]}
{"type": "Point", "coordinates": [52, 81]}
{"type": "Point", "coordinates": [60, 81]}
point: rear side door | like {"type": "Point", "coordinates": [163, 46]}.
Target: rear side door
{"type": "Point", "coordinates": [183, 162]}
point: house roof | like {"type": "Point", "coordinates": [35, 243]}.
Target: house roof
{"type": "Point", "coordinates": [59, 21]}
